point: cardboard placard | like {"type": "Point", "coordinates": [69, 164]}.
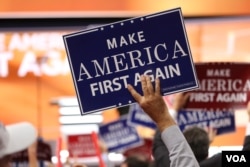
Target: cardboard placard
{"type": "Point", "coordinates": [222, 86]}
{"type": "Point", "coordinates": [103, 60]}
{"type": "Point", "coordinates": [221, 121]}
{"type": "Point", "coordinates": [137, 116]}
{"type": "Point", "coordinates": [119, 136]}
{"type": "Point", "coordinates": [143, 150]}
{"type": "Point", "coordinates": [81, 146]}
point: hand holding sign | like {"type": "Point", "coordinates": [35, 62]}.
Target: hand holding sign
{"type": "Point", "coordinates": [212, 132]}
{"type": "Point", "coordinates": [152, 102]}
{"type": "Point", "coordinates": [127, 50]}
{"type": "Point", "coordinates": [180, 101]}
{"type": "Point", "coordinates": [154, 105]}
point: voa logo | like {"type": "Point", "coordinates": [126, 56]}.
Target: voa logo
{"type": "Point", "coordinates": [236, 158]}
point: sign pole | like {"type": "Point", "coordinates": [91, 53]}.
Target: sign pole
{"type": "Point", "coordinates": [99, 155]}
{"type": "Point", "coordinates": [59, 147]}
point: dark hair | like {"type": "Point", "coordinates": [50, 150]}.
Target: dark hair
{"type": "Point", "coordinates": [198, 140]}
{"type": "Point", "coordinates": [134, 161]}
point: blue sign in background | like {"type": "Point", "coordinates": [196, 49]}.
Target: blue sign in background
{"type": "Point", "coordinates": [103, 60]}
{"type": "Point", "coordinates": [221, 121]}
{"type": "Point", "coordinates": [137, 116]}
{"type": "Point", "coordinates": [119, 136]}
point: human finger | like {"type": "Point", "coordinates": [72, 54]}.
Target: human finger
{"type": "Point", "coordinates": [186, 96]}
{"type": "Point", "coordinates": [184, 99]}
{"type": "Point", "coordinates": [212, 132]}
{"type": "Point", "coordinates": [144, 85]}
{"type": "Point", "coordinates": [150, 88]}
{"type": "Point", "coordinates": [157, 86]}
{"type": "Point", "coordinates": [134, 93]}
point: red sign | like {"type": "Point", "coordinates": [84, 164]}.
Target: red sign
{"type": "Point", "coordinates": [222, 86]}
{"type": "Point", "coordinates": [81, 146]}
{"type": "Point", "coordinates": [145, 149]}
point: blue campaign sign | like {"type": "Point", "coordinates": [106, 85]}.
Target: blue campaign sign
{"type": "Point", "coordinates": [119, 136]}
{"type": "Point", "coordinates": [137, 116]}
{"type": "Point", "coordinates": [222, 121]}
{"type": "Point", "coordinates": [103, 60]}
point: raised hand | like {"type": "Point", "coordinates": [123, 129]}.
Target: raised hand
{"type": "Point", "coordinates": [152, 102]}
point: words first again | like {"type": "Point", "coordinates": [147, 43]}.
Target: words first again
{"type": "Point", "coordinates": [116, 84]}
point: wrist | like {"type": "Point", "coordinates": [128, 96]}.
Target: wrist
{"type": "Point", "coordinates": [165, 123]}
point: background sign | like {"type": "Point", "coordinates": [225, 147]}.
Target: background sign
{"type": "Point", "coordinates": [81, 146]}
{"type": "Point", "coordinates": [119, 136]}
{"type": "Point", "coordinates": [143, 150]}
{"type": "Point", "coordinates": [222, 85]}
{"type": "Point", "coordinates": [105, 59]}
{"type": "Point", "coordinates": [137, 116]}
{"type": "Point", "coordinates": [222, 121]}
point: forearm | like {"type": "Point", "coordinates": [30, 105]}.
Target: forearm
{"type": "Point", "coordinates": [165, 120]}
{"type": "Point", "coordinates": [180, 153]}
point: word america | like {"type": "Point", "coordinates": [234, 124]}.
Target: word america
{"type": "Point", "coordinates": [131, 60]}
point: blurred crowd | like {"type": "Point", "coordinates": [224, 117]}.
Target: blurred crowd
{"type": "Point", "coordinates": [170, 148]}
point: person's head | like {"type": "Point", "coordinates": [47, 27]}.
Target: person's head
{"type": "Point", "coordinates": [198, 140]}
{"type": "Point", "coordinates": [15, 138]}
{"type": "Point", "coordinates": [135, 161]}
